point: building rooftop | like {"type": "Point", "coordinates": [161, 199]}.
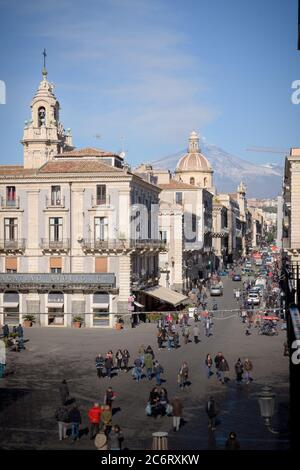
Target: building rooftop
{"type": "Point", "coordinates": [87, 152]}
{"type": "Point", "coordinates": [177, 185]}
{"type": "Point", "coordinates": [81, 166]}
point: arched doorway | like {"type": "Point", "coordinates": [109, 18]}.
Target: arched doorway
{"type": "Point", "coordinates": [11, 307]}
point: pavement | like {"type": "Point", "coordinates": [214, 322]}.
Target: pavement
{"type": "Point", "coordinates": [29, 393]}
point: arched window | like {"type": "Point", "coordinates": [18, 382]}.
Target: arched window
{"type": "Point", "coordinates": [205, 182]}
{"type": "Point", "coordinates": [41, 116]}
{"type": "Point", "coordinates": [192, 180]}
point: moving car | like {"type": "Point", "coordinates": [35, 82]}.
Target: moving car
{"type": "Point", "coordinates": [254, 299]}
{"type": "Point", "coordinates": [248, 265]}
{"type": "Point", "coordinates": [236, 277]}
{"type": "Point", "coordinates": [216, 290]}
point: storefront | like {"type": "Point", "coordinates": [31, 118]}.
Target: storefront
{"type": "Point", "coordinates": [56, 299]}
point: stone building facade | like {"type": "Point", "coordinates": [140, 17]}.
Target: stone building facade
{"type": "Point", "coordinates": [72, 240]}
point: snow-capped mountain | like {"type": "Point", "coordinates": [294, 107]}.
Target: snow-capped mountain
{"type": "Point", "coordinates": [262, 181]}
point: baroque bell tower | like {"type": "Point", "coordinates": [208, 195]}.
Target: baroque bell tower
{"type": "Point", "coordinates": [44, 136]}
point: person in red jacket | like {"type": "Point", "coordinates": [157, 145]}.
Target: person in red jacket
{"type": "Point", "coordinates": [94, 417]}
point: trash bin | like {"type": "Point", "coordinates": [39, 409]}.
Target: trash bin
{"type": "Point", "coordinates": [160, 441]}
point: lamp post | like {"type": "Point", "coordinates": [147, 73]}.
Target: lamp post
{"type": "Point", "coordinates": [266, 400]}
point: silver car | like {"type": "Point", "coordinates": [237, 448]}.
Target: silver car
{"type": "Point", "coordinates": [216, 290]}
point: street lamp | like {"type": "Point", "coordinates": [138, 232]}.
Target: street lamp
{"type": "Point", "coordinates": [266, 400]}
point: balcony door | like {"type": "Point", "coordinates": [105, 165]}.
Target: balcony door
{"type": "Point", "coordinates": [10, 196]}
{"type": "Point", "coordinates": [101, 229]}
{"type": "Point", "coordinates": [10, 231]}
{"type": "Point", "coordinates": [55, 196]}
{"type": "Point", "coordinates": [56, 229]}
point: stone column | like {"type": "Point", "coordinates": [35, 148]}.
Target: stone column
{"type": "Point", "coordinates": [124, 276]}
{"type": "Point", "coordinates": [33, 234]}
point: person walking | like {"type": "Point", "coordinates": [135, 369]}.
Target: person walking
{"type": "Point", "coordinates": [183, 375]}
{"type": "Point", "coordinates": [207, 326]}
{"type": "Point", "coordinates": [141, 353]}
{"type": "Point", "coordinates": [212, 410]}
{"type": "Point", "coordinates": [248, 367]}
{"type": "Point", "coordinates": [177, 412]}
{"type": "Point", "coordinates": [119, 359]}
{"type": "Point", "coordinates": [232, 443]}
{"type": "Point", "coordinates": [106, 417]}
{"type": "Point", "coordinates": [109, 397]}
{"type": "Point", "coordinates": [208, 364]}
{"type": "Point", "coordinates": [62, 418]}
{"type": "Point", "coordinates": [157, 370]}
{"type": "Point", "coordinates": [137, 371]}
{"type": "Point", "coordinates": [196, 332]}
{"type": "Point", "coordinates": [239, 371]}
{"type": "Point", "coordinates": [170, 337]}
{"type": "Point", "coordinates": [108, 363]}
{"type": "Point", "coordinates": [186, 334]}
{"type": "Point", "coordinates": [75, 420]}
{"type": "Point", "coordinates": [218, 360]}
{"type": "Point", "coordinates": [5, 330]}
{"type": "Point", "coordinates": [148, 362]}
{"type": "Point", "coordinates": [64, 392]}
{"type": "Point", "coordinates": [94, 415]}
{"type": "Point", "coordinates": [2, 358]}
{"type": "Point", "coordinates": [100, 364]}
{"type": "Point", "coordinates": [223, 368]}
{"type": "Point", "coordinates": [116, 438]}
{"type": "Point", "coordinates": [160, 339]}
{"type": "Point", "coordinates": [126, 357]}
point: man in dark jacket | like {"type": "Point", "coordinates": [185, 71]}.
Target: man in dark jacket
{"type": "Point", "coordinates": [232, 443]}
{"type": "Point", "coordinates": [239, 371]}
{"type": "Point", "coordinates": [218, 360]}
{"type": "Point", "coordinates": [223, 367]}
{"type": "Point", "coordinates": [5, 330]}
{"type": "Point", "coordinates": [212, 410]}
{"type": "Point", "coordinates": [108, 365]}
{"type": "Point", "coordinates": [75, 420]}
{"type": "Point", "coordinates": [64, 391]}
{"type": "Point", "coordinates": [100, 365]}
{"type": "Point", "coordinates": [62, 418]}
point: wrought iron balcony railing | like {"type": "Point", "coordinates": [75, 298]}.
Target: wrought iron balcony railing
{"type": "Point", "coordinates": [10, 203]}
{"type": "Point", "coordinates": [55, 245]}
{"type": "Point", "coordinates": [124, 244]}
{"type": "Point", "coordinates": [12, 245]}
{"type": "Point", "coordinates": [54, 201]}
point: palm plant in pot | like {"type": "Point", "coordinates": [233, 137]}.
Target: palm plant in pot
{"type": "Point", "coordinates": [77, 321]}
{"type": "Point", "coordinates": [28, 320]}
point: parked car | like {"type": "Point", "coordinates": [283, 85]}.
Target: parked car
{"type": "Point", "coordinates": [236, 277]}
{"type": "Point", "coordinates": [216, 290]}
{"type": "Point", "coordinates": [253, 298]}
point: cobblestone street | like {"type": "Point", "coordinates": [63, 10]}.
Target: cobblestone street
{"type": "Point", "coordinates": [29, 393]}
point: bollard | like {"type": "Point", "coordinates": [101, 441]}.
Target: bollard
{"type": "Point", "coordinates": [160, 441]}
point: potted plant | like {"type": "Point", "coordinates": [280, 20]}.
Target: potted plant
{"type": "Point", "coordinates": [119, 323]}
{"type": "Point", "coordinates": [77, 322]}
{"type": "Point", "coordinates": [28, 320]}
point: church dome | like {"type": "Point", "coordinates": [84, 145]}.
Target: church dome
{"type": "Point", "coordinates": [193, 160]}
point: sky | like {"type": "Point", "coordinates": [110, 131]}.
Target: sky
{"type": "Point", "coordinates": [139, 75]}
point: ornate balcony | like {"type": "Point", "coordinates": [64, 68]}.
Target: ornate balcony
{"type": "Point", "coordinates": [53, 203]}
{"type": "Point", "coordinates": [12, 246]}
{"type": "Point", "coordinates": [55, 246]}
{"type": "Point", "coordinates": [124, 245]}
{"type": "Point", "coordinates": [10, 203]}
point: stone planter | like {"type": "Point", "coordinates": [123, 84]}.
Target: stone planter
{"type": "Point", "coordinates": [77, 324]}
{"type": "Point", "coordinates": [27, 324]}
{"type": "Point", "coordinates": [118, 326]}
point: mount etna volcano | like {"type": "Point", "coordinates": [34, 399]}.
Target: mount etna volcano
{"type": "Point", "coordinates": [262, 181]}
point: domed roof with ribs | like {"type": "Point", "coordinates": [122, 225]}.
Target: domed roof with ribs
{"type": "Point", "coordinates": [193, 160]}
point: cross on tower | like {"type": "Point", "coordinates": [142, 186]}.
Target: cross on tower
{"type": "Point", "coordinates": [45, 55]}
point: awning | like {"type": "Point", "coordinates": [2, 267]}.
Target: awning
{"type": "Point", "coordinates": [10, 304]}
{"type": "Point", "coordinates": [55, 304]}
{"type": "Point", "coordinates": [167, 295]}
{"type": "Point", "coordinates": [103, 306]}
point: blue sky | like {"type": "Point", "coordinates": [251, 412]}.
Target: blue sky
{"type": "Point", "coordinates": [151, 71]}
